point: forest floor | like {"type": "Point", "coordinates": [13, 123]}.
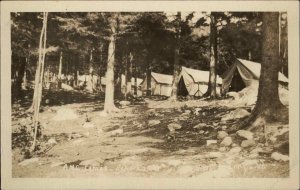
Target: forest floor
{"type": "Point", "coordinates": [148, 138]}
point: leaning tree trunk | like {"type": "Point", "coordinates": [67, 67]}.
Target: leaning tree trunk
{"type": "Point", "coordinates": [39, 78]}
{"type": "Point", "coordinates": [176, 71]}
{"type": "Point", "coordinates": [211, 91]}
{"type": "Point", "coordinates": [268, 105]}
{"type": "Point", "coordinates": [109, 105]}
{"type": "Point", "coordinates": [128, 76]}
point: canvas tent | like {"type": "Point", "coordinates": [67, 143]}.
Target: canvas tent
{"type": "Point", "coordinates": [195, 82]}
{"type": "Point", "coordinates": [243, 73]}
{"type": "Point", "coordinates": [123, 87]}
{"type": "Point", "coordinates": [161, 84]}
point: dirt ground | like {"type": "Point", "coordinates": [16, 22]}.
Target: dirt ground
{"type": "Point", "coordinates": [137, 142]}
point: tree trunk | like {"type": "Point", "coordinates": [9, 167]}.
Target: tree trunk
{"type": "Point", "coordinates": [176, 71]}
{"type": "Point", "coordinates": [109, 105]}
{"type": "Point", "coordinates": [39, 78]}
{"type": "Point", "coordinates": [24, 80]}
{"type": "Point", "coordinates": [148, 76]}
{"type": "Point", "coordinates": [60, 69]}
{"type": "Point", "coordinates": [135, 81]}
{"type": "Point", "coordinates": [90, 82]}
{"type": "Point", "coordinates": [211, 91]}
{"type": "Point", "coordinates": [128, 76]}
{"type": "Point", "coordinates": [268, 105]}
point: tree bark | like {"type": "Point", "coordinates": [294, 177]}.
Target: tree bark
{"type": "Point", "coordinates": [176, 71]}
{"type": "Point", "coordinates": [148, 76]}
{"type": "Point", "coordinates": [268, 105]}
{"type": "Point", "coordinates": [211, 91]}
{"type": "Point", "coordinates": [109, 105]}
{"type": "Point", "coordinates": [90, 82]}
{"type": "Point", "coordinates": [135, 81]}
{"type": "Point", "coordinates": [60, 69]}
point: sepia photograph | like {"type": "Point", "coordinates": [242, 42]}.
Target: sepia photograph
{"type": "Point", "coordinates": [164, 94]}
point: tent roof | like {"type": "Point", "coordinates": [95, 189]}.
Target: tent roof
{"type": "Point", "coordinates": [162, 78]}
{"type": "Point", "coordinates": [199, 75]}
{"type": "Point", "coordinates": [255, 67]}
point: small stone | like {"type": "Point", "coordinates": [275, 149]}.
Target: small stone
{"type": "Point", "coordinates": [204, 113]}
{"type": "Point", "coordinates": [209, 142]}
{"type": "Point", "coordinates": [201, 132]}
{"type": "Point", "coordinates": [124, 103]}
{"type": "Point", "coordinates": [224, 127]}
{"type": "Point", "coordinates": [214, 155]}
{"type": "Point", "coordinates": [28, 161]}
{"type": "Point", "coordinates": [245, 134]}
{"type": "Point", "coordinates": [199, 126]}
{"type": "Point", "coordinates": [256, 150]}
{"type": "Point", "coordinates": [215, 124]}
{"type": "Point", "coordinates": [47, 101]}
{"type": "Point", "coordinates": [153, 122]}
{"type": "Point", "coordinates": [52, 141]}
{"type": "Point", "coordinates": [187, 111]}
{"type": "Point", "coordinates": [247, 143]}
{"type": "Point", "coordinates": [173, 126]}
{"type": "Point", "coordinates": [222, 135]}
{"type": "Point", "coordinates": [235, 150]}
{"type": "Point", "coordinates": [88, 125]}
{"type": "Point", "coordinates": [279, 157]}
{"type": "Point", "coordinates": [226, 142]}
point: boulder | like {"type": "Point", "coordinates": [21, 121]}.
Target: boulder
{"type": "Point", "coordinates": [279, 157]}
{"type": "Point", "coordinates": [245, 134]}
{"type": "Point", "coordinates": [173, 126]}
{"type": "Point", "coordinates": [226, 142]}
{"type": "Point", "coordinates": [153, 122]}
{"type": "Point", "coordinates": [247, 143]}
{"type": "Point", "coordinates": [222, 135]}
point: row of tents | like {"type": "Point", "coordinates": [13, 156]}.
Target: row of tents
{"type": "Point", "coordinates": [242, 73]}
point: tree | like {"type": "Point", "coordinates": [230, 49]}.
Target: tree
{"type": "Point", "coordinates": [39, 78]}
{"type": "Point", "coordinates": [268, 105]}
{"type": "Point", "coordinates": [176, 71]}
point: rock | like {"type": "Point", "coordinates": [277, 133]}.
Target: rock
{"type": "Point", "coordinates": [28, 161]}
{"type": "Point", "coordinates": [124, 103]}
{"type": "Point", "coordinates": [224, 127]}
{"type": "Point", "coordinates": [256, 150]}
{"type": "Point", "coordinates": [222, 149]}
{"type": "Point", "coordinates": [235, 150]}
{"type": "Point", "coordinates": [222, 135]}
{"type": "Point", "coordinates": [52, 141]}
{"type": "Point", "coordinates": [47, 101]}
{"type": "Point", "coordinates": [196, 111]}
{"type": "Point", "coordinates": [88, 125]}
{"type": "Point", "coordinates": [279, 157]}
{"type": "Point", "coordinates": [245, 134]}
{"type": "Point", "coordinates": [117, 132]}
{"type": "Point", "coordinates": [226, 142]}
{"type": "Point", "coordinates": [204, 113]}
{"type": "Point", "coordinates": [235, 95]}
{"type": "Point", "coordinates": [91, 162]}
{"type": "Point", "coordinates": [65, 114]}
{"type": "Point", "coordinates": [153, 122]}
{"type": "Point", "coordinates": [214, 155]}
{"type": "Point", "coordinates": [187, 111]}
{"type": "Point", "coordinates": [153, 168]}
{"type": "Point", "coordinates": [215, 124]}
{"type": "Point", "coordinates": [209, 142]}
{"type": "Point", "coordinates": [173, 126]}
{"type": "Point", "coordinates": [55, 164]}
{"type": "Point", "coordinates": [201, 132]}
{"type": "Point", "coordinates": [236, 114]}
{"type": "Point", "coordinates": [247, 143]}
{"type": "Point", "coordinates": [200, 126]}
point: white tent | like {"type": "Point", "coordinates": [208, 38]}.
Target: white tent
{"type": "Point", "coordinates": [243, 73]}
{"type": "Point", "coordinates": [161, 84]}
{"type": "Point", "coordinates": [195, 82]}
{"type": "Point", "coordinates": [139, 81]}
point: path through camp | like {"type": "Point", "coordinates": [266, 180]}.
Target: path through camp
{"type": "Point", "coordinates": [152, 138]}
